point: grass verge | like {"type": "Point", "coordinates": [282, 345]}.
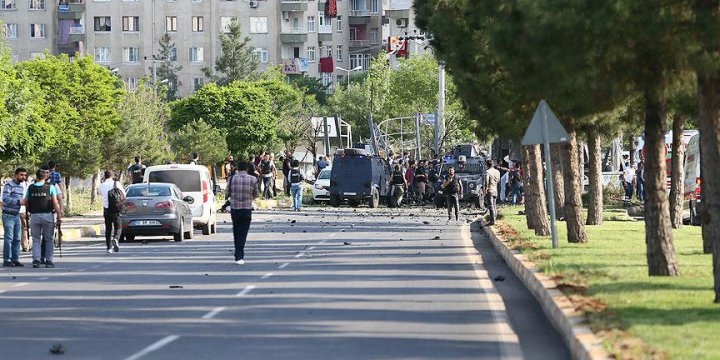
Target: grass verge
{"type": "Point", "coordinates": [637, 316]}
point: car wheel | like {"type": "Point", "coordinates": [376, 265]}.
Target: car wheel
{"type": "Point", "coordinates": [694, 218]}
{"type": "Point", "coordinates": [178, 236]}
{"type": "Point", "coordinates": [213, 227]}
{"type": "Point", "coordinates": [334, 200]}
{"type": "Point", "coordinates": [189, 234]}
{"type": "Point", "coordinates": [374, 199]}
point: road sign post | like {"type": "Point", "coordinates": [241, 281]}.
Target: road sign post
{"type": "Point", "coordinates": [545, 128]}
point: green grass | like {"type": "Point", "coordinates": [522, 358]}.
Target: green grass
{"type": "Point", "coordinates": [81, 202]}
{"type": "Point", "coordinates": [673, 315]}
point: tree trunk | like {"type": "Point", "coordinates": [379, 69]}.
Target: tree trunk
{"type": "Point", "coordinates": [595, 203]}
{"type": "Point", "coordinates": [573, 191]}
{"type": "Point", "coordinates": [537, 200]}
{"type": "Point", "coordinates": [530, 215]}
{"type": "Point", "coordinates": [93, 186]}
{"type": "Point", "coordinates": [677, 176]}
{"type": "Point", "coordinates": [658, 232]}
{"type": "Point", "coordinates": [68, 196]}
{"type": "Point", "coordinates": [632, 150]}
{"type": "Point", "coordinates": [558, 181]}
{"type": "Point", "coordinates": [709, 125]}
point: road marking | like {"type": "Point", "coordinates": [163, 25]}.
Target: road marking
{"type": "Point", "coordinates": [311, 248]}
{"type": "Point", "coordinates": [154, 347]}
{"type": "Point", "coordinates": [284, 265]}
{"type": "Point", "coordinates": [299, 255]}
{"type": "Point", "coordinates": [80, 270]}
{"type": "Point", "coordinates": [333, 234]}
{"type": "Point", "coordinates": [214, 312]}
{"type": "Point", "coordinates": [19, 285]}
{"type": "Point", "coordinates": [246, 290]}
{"type": "Point", "coordinates": [43, 278]}
{"type": "Point", "coordinates": [2, 291]}
{"type": "Point", "coordinates": [322, 242]}
{"type": "Point", "coordinates": [266, 276]}
{"type": "Point", "coordinates": [95, 266]}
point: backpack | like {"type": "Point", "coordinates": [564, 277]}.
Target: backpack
{"type": "Point", "coordinates": [295, 176]}
{"type": "Point", "coordinates": [116, 200]}
{"type": "Point", "coordinates": [265, 167]}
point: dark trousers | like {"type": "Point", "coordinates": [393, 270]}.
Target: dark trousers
{"type": "Point", "coordinates": [453, 202]}
{"type": "Point", "coordinates": [491, 201]}
{"type": "Point", "coordinates": [286, 184]}
{"type": "Point", "coordinates": [241, 219]}
{"type": "Point", "coordinates": [267, 187]}
{"type": "Point", "coordinates": [113, 228]}
{"type": "Point", "coordinates": [641, 190]}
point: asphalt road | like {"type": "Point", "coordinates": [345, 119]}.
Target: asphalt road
{"type": "Point", "coordinates": [323, 284]}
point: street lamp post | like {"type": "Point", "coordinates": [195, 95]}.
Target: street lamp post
{"type": "Point", "coordinates": [348, 72]}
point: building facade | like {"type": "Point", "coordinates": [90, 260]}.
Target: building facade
{"type": "Point", "coordinates": [312, 37]}
{"type": "Point", "coordinates": [399, 22]}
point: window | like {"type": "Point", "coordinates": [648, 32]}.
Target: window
{"type": "Point", "coordinates": [262, 54]}
{"type": "Point", "coordinates": [171, 23]}
{"type": "Point", "coordinates": [311, 54]}
{"type": "Point", "coordinates": [130, 23]}
{"type": "Point", "coordinates": [321, 18]}
{"type": "Point", "coordinates": [296, 25]}
{"type": "Point", "coordinates": [131, 54]}
{"type": "Point", "coordinates": [196, 54]}
{"type": "Point", "coordinates": [197, 84]}
{"type": "Point", "coordinates": [172, 54]}
{"type": "Point", "coordinates": [37, 4]}
{"type": "Point", "coordinates": [339, 54]}
{"type": "Point", "coordinates": [339, 23]}
{"type": "Point", "coordinates": [327, 80]}
{"type": "Point", "coordinates": [132, 83]}
{"type": "Point", "coordinates": [374, 36]}
{"type": "Point", "coordinates": [7, 4]}
{"type": "Point", "coordinates": [36, 55]}
{"type": "Point", "coordinates": [102, 54]}
{"type": "Point", "coordinates": [102, 23]}
{"type": "Point", "coordinates": [197, 23]}
{"type": "Point", "coordinates": [328, 50]}
{"type": "Point", "coordinates": [37, 31]}
{"type": "Point", "coordinates": [225, 22]}
{"type": "Point", "coordinates": [10, 31]}
{"type": "Point", "coordinates": [374, 6]}
{"type": "Point", "coordinates": [362, 60]}
{"type": "Point", "coordinates": [311, 24]}
{"type": "Point", "coordinates": [296, 53]}
{"type": "Point", "coordinates": [258, 25]}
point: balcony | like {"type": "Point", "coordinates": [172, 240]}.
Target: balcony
{"type": "Point", "coordinates": [77, 33]}
{"type": "Point", "coordinates": [360, 12]}
{"type": "Point", "coordinates": [293, 5]}
{"type": "Point", "coordinates": [359, 20]}
{"type": "Point", "coordinates": [71, 10]}
{"type": "Point", "coordinates": [288, 38]}
{"type": "Point", "coordinates": [324, 37]}
{"type": "Point", "coordinates": [359, 43]}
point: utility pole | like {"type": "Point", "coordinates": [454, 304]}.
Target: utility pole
{"type": "Point", "coordinates": [440, 119]}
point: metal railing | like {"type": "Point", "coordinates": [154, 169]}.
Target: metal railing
{"type": "Point", "coordinates": [77, 30]}
{"type": "Point", "coordinates": [359, 43]}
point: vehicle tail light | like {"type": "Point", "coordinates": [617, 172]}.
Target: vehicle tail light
{"type": "Point", "coordinates": [130, 205]}
{"type": "Point", "coordinates": [206, 191]}
{"type": "Point", "coordinates": [165, 205]}
{"type": "Point", "coordinates": [698, 189]}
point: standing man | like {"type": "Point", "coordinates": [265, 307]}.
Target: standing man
{"type": "Point", "coordinates": [111, 214]}
{"type": "Point", "coordinates": [56, 179]}
{"type": "Point", "coordinates": [241, 190]}
{"type": "Point", "coordinates": [137, 171]}
{"type": "Point", "coordinates": [421, 179]}
{"type": "Point", "coordinates": [452, 187]}
{"type": "Point", "coordinates": [296, 179]}
{"type": "Point", "coordinates": [42, 202]}
{"type": "Point", "coordinates": [268, 171]}
{"type": "Point", "coordinates": [492, 178]}
{"type": "Point", "coordinates": [286, 166]}
{"type": "Point", "coordinates": [640, 178]}
{"type": "Point", "coordinates": [12, 197]}
{"type": "Point", "coordinates": [629, 181]}
{"type": "Point", "coordinates": [321, 164]}
{"type": "Point", "coordinates": [195, 159]}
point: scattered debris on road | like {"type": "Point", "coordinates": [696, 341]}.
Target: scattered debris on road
{"type": "Point", "coordinates": [176, 286]}
{"type": "Point", "coordinates": [436, 238]}
{"type": "Point", "coordinates": [499, 278]}
{"type": "Point", "coordinates": [57, 349]}
{"type": "Point", "coordinates": [347, 243]}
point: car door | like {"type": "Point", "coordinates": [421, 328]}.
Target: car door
{"type": "Point", "coordinates": [184, 207]}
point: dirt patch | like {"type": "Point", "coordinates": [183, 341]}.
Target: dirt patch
{"type": "Point", "coordinates": [512, 237]}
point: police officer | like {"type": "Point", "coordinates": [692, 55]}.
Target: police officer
{"type": "Point", "coordinates": [421, 179]}
{"type": "Point", "coordinates": [398, 184]}
{"type": "Point", "coordinates": [42, 201]}
{"type": "Point", "coordinates": [137, 171]}
{"type": "Point", "coordinates": [452, 187]}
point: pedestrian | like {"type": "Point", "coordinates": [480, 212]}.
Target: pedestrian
{"type": "Point", "coordinates": [195, 159]}
{"type": "Point", "coordinates": [274, 177]}
{"type": "Point", "coordinates": [56, 179]}
{"type": "Point", "coordinates": [25, 238]}
{"type": "Point", "coordinates": [113, 204]}
{"type": "Point", "coordinates": [241, 190]}
{"type": "Point", "coordinates": [321, 164]}
{"type": "Point", "coordinates": [492, 178]}
{"type": "Point", "coordinates": [628, 180]}
{"type": "Point", "coordinates": [286, 166]}
{"type": "Point", "coordinates": [410, 176]}
{"type": "Point", "coordinates": [12, 196]}
{"type": "Point", "coordinates": [398, 184]}
{"type": "Point", "coordinates": [452, 187]}
{"type": "Point", "coordinates": [137, 171]}
{"type": "Point", "coordinates": [42, 203]}
{"type": "Point", "coordinates": [516, 183]}
{"type": "Point", "coordinates": [267, 171]}
{"type": "Point", "coordinates": [230, 173]}
{"type": "Point", "coordinates": [296, 179]}
{"type": "Point", "coordinates": [59, 193]}
{"type": "Point", "coordinates": [640, 179]}
{"type": "Point", "coordinates": [229, 164]}
{"type": "Point", "coordinates": [421, 179]}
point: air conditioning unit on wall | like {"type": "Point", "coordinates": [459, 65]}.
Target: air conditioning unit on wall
{"type": "Point", "coordinates": [401, 23]}
{"type": "Point", "coordinates": [253, 3]}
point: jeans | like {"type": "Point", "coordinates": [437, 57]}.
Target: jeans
{"type": "Point", "coordinates": [516, 194]}
{"type": "Point", "coordinates": [286, 184]}
{"type": "Point", "coordinates": [453, 202]}
{"type": "Point", "coordinates": [267, 187]}
{"type": "Point", "coordinates": [641, 190]}
{"type": "Point", "coordinates": [25, 243]}
{"type": "Point", "coordinates": [296, 191]}
{"type": "Point", "coordinates": [113, 228]}
{"type": "Point", "coordinates": [13, 233]}
{"type": "Point", "coordinates": [42, 225]}
{"type": "Point", "coordinates": [241, 219]}
{"type": "Point", "coordinates": [629, 191]}
{"type": "Point", "coordinates": [491, 201]}
{"type": "Point", "coordinates": [421, 190]}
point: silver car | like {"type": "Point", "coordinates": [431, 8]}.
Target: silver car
{"type": "Point", "coordinates": [157, 209]}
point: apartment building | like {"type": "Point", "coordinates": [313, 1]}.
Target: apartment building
{"type": "Point", "coordinates": [312, 37]}
{"type": "Point", "coordinates": [399, 21]}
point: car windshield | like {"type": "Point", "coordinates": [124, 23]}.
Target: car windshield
{"type": "Point", "coordinates": [325, 174]}
{"type": "Point", "coordinates": [466, 168]}
{"type": "Point", "coordinates": [186, 180]}
{"type": "Point", "coordinates": [148, 191]}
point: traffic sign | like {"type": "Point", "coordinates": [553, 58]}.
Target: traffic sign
{"type": "Point", "coordinates": [555, 131]}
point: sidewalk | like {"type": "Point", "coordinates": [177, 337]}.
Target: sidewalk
{"type": "Point", "coordinates": [77, 227]}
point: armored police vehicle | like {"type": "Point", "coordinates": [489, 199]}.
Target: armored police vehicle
{"type": "Point", "coordinates": [470, 168]}
{"type": "Point", "coordinates": [358, 177]}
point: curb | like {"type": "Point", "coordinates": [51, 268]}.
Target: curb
{"type": "Point", "coordinates": [570, 323]}
{"type": "Point", "coordinates": [83, 231]}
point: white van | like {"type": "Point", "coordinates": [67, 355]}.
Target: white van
{"type": "Point", "coordinates": [692, 204]}
{"type": "Point", "coordinates": [194, 181]}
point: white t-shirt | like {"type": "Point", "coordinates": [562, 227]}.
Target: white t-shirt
{"type": "Point", "coordinates": [105, 188]}
{"type": "Point", "coordinates": [25, 185]}
{"type": "Point", "coordinates": [629, 174]}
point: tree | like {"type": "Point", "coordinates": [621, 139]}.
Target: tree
{"type": "Point", "coordinates": [241, 110]}
{"type": "Point", "coordinates": [311, 86]}
{"type": "Point", "coordinates": [237, 59]}
{"type": "Point", "coordinates": [169, 67]}
{"type": "Point", "coordinates": [200, 137]}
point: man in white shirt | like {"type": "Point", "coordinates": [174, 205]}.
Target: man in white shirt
{"type": "Point", "coordinates": [113, 225]}
{"type": "Point", "coordinates": [629, 181]}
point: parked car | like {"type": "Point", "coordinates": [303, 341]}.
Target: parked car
{"type": "Point", "coordinates": [193, 181]}
{"type": "Point", "coordinates": [322, 186]}
{"type": "Point", "coordinates": [157, 209]}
